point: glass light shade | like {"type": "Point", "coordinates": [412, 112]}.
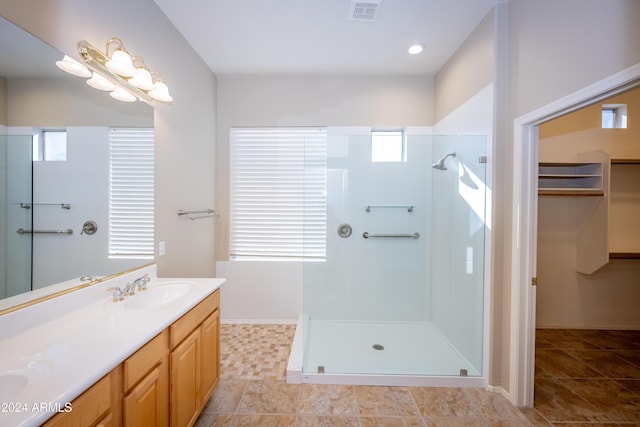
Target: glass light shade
{"type": "Point", "coordinates": [160, 92]}
{"type": "Point", "coordinates": [122, 95]}
{"type": "Point", "coordinates": [141, 79]}
{"type": "Point", "coordinates": [72, 66]}
{"type": "Point", "coordinates": [121, 64]}
{"type": "Point", "coordinates": [98, 82]}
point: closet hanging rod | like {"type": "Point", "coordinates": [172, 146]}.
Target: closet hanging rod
{"type": "Point", "coordinates": [207, 213]}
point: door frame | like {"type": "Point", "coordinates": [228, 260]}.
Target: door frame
{"type": "Point", "coordinates": [524, 225]}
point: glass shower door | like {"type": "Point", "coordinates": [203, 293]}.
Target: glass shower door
{"type": "Point", "coordinates": [16, 197]}
{"type": "Point", "coordinates": [401, 290]}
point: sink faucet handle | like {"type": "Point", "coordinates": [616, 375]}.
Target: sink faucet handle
{"type": "Point", "coordinates": [130, 288]}
{"type": "Point", "coordinates": [118, 294]}
{"type": "Point", "coordinates": [142, 282]}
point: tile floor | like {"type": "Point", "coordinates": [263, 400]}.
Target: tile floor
{"type": "Point", "coordinates": [586, 377]}
{"type": "Point", "coordinates": [253, 392]}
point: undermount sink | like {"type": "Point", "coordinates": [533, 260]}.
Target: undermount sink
{"type": "Point", "coordinates": [157, 295]}
{"type": "Point", "coordinates": [11, 385]}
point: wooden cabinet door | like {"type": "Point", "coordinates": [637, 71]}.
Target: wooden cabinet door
{"type": "Point", "coordinates": [148, 403]}
{"type": "Point", "coordinates": [185, 381]}
{"type": "Point", "coordinates": [92, 407]}
{"type": "Point", "coordinates": [210, 355]}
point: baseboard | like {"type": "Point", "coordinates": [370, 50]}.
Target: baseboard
{"type": "Point", "coordinates": [591, 327]}
{"type": "Point", "coordinates": [258, 321]}
{"type": "Point", "coordinates": [501, 390]}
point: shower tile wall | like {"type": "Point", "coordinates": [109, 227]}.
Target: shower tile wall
{"type": "Point", "coordinates": [374, 279]}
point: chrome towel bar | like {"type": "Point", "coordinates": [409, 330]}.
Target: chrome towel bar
{"type": "Point", "coordinates": [204, 213]}
{"type": "Point", "coordinates": [368, 235]}
{"type": "Point", "coordinates": [68, 231]}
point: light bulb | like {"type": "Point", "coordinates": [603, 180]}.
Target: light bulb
{"type": "Point", "coordinates": [98, 82]}
{"type": "Point", "coordinates": [121, 64]}
{"type": "Point", "coordinates": [122, 95]}
{"type": "Point", "coordinates": [72, 66]}
{"type": "Point", "coordinates": [160, 92]}
{"type": "Point", "coordinates": [141, 79]}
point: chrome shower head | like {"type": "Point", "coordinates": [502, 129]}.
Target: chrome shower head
{"type": "Point", "coordinates": [440, 163]}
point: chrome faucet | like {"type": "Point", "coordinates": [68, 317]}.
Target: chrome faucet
{"type": "Point", "coordinates": [141, 282]}
{"type": "Point", "coordinates": [130, 288]}
{"type": "Point", "coordinates": [118, 294]}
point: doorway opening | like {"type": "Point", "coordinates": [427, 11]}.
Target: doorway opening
{"type": "Point", "coordinates": [524, 229]}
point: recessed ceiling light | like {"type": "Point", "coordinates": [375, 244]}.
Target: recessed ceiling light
{"type": "Point", "coordinates": [416, 48]}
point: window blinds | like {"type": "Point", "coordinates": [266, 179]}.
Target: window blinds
{"type": "Point", "coordinates": [278, 193]}
{"type": "Point", "coordinates": [131, 192]}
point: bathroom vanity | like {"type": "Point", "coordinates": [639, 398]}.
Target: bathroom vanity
{"type": "Point", "coordinates": [86, 359]}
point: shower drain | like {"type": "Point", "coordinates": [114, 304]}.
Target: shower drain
{"type": "Point", "coordinates": [378, 347]}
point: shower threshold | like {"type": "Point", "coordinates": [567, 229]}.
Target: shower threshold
{"type": "Point", "coordinates": [378, 353]}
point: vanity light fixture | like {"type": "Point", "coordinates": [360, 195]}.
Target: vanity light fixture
{"type": "Point", "coordinates": [125, 78]}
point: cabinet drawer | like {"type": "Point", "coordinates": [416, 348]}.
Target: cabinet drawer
{"type": "Point", "coordinates": [91, 406]}
{"type": "Point", "coordinates": [182, 327]}
{"type": "Point", "coordinates": [145, 359]}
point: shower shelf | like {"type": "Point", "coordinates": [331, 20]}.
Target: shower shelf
{"type": "Point", "coordinates": [409, 208]}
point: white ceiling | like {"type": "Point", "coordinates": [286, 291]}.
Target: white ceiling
{"type": "Point", "coordinates": [317, 36]}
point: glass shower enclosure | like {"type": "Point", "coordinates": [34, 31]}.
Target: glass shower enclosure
{"type": "Point", "coordinates": [16, 181]}
{"type": "Point", "coordinates": [400, 292]}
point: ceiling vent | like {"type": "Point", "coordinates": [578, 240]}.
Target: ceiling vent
{"type": "Point", "coordinates": [364, 11]}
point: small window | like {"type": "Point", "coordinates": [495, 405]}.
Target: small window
{"type": "Point", "coordinates": [614, 116]}
{"type": "Point", "coordinates": [50, 146]}
{"type": "Point", "coordinates": [388, 146]}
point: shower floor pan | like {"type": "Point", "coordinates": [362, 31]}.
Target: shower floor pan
{"type": "Point", "coordinates": [378, 353]}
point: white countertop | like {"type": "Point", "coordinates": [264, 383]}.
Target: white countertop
{"type": "Point", "coordinates": [64, 345]}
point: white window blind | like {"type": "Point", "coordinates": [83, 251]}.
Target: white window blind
{"type": "Point", "coordinates": [278, 193]}
{"type": "Point", "coordinates": [131, 193]}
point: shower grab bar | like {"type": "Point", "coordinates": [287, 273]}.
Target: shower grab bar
{"type": "Point", "coordinates": [28, 205]}
{"type": "Point", "coordinates": [409, 208]}
{"type": "Point", "coordinates": [368, 235]}
{"type": "Point", "coordinates": [68, 231]}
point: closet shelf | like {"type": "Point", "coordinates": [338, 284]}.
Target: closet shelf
{"type": "Point", "coordinates": [624, 255]}
{"type": "Point", "coordinates": [570, 179]}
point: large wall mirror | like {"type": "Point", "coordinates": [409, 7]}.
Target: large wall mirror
{"type": "Point", "coordinates": [47, 197]}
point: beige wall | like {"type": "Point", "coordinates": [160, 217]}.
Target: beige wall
{"type": "Point", "coordinates": [554, 48]}
{"type": "Point", "coordinates": [543, 51]}
{"type": "Point", "coordinates": [185, 131]}
{"type": "Point", "coordinates": [469, 70]}
{"type": "Point", "coordinates": [608, 298]}
{"type": "Point", "coordinates": [3, 101]}
{"type": "Point", "coordinates": [305, 100]}
{"type": "Point", "coordinates": [564, 137]}
{"type": "Point", "coordinates": [38, 102]}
